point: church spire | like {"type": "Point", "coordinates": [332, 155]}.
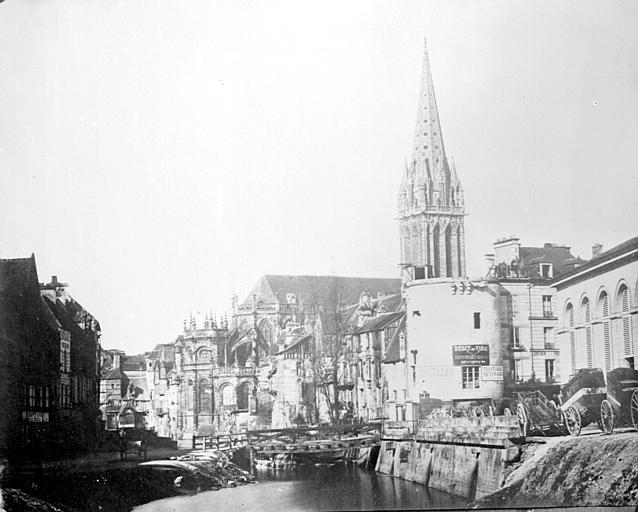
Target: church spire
{"type": "Point", "coordinates": [428, 152]}
{"type": "Point", "coordinates": [431, 202]}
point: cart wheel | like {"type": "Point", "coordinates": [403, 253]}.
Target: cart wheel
{"type": "Point", "coordinates": [606, 417]}
{"type": "Point", "coordinates": [634, 408]}
{"type": "Point", "coordinates": [573, 420]}
{"type": "Point", "coordinates": [523, 419]}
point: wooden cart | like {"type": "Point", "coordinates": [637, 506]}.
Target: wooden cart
{"type": "Point", "coordinates": [537, 414]}
{"type": "Point", "coordinates": [620, 407]}
{"type": "Point", "coordinates": [581, 399]}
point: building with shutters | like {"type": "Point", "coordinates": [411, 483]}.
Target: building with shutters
{"type": "Point", "coordinates": [597, 307]}
{"type": "Point", "coordinates": [525, 273]}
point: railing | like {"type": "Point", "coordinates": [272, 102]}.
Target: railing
{"type": "Point", "coordinates": [399, 428]}
{"type": "Point", "coordinates": [233, 371]}
{"type": "Point", "coordinates": [223, 442]}
{"type": "Point", "coordinates": [301, 434]}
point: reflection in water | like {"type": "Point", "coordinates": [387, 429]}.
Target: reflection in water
{"type": "Point", "coordinates": [309, 488]}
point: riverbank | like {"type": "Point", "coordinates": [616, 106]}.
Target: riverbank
{"type": "Point", "coordinates": [593, 470]}
{"type": "Point", "coordinates": [103, 482]}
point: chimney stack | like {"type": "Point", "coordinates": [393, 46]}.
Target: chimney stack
{"type": "Point", "coordinates": [54, 279]}
{"type": "Point", "coordinates": [596, 250]}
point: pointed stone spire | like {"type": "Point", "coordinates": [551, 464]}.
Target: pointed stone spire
{"type": "Point", "coordinates": [431, 203]}
{"type": "Point", "coordinates": [428, 151]}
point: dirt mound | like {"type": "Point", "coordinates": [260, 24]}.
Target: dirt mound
{"type": "Point", "coordinates": [592, 470]}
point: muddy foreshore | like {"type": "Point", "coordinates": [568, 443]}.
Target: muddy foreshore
{"type": "Point", "coordinates": [593, 470]}
{"type": "Point", "coordinates": [116, 486]}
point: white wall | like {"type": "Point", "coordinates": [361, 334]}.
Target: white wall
{"type": "Point", "coordinates": [438, 318]}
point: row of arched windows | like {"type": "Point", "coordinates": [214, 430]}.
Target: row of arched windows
{"type": "Point", "coordinates": [429, 248]}
{"type": "Point", "coordinates": [228, 396]}
{"type": "Point", "coordinates": [600, 330]}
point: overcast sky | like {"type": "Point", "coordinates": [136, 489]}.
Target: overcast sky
{"type": "Point", "coordinates": [161, 155]}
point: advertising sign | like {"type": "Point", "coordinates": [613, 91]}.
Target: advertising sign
{"type": "Point", "coordinates": [471, 355]}
{"type": "Point", "coordinates": [492, 373]}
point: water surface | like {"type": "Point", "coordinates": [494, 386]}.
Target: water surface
{"type": "Point", "coordinates": [309, 488]}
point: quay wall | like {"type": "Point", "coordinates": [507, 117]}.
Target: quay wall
{"type": "Point", "coordinates": [462, 456]}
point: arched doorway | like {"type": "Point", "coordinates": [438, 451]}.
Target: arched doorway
{"type": "Point", "coordinates": [243, 395]}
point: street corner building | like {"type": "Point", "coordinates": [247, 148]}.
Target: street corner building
{"type": "Point", "coordinates": [50, 357]}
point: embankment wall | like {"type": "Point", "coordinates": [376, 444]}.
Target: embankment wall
{"type": "Point", "coordinates": [462, 456]}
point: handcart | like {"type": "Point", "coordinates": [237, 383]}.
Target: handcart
{"type": "Point", "coordinates": [620, 407]}
{"type": "Point", "coordinates": [537, 414]}
{"type": "Point", "coordinates": [582, 398]}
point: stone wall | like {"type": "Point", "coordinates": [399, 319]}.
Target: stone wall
{"type": "Point", "coordinates": [462, 456]}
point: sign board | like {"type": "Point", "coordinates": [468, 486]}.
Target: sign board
{"type": "Point", "coordinates": [35, 417]}
{"type": "Point", "coordinates": [471, 355]}
{"type": "Point", "coordinates": [438, 372]}
{"type": "Point", "coordinates": [492, 373]}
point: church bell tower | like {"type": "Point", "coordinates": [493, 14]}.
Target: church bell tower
{"type": "Point", "coordinates": [431, 203]}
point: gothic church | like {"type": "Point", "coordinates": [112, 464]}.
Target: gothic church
{"type": "Point", "coordinates": [431, 204]}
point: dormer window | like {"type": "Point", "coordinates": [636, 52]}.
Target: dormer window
{"type": "Point", "coordinates": [547, 270]}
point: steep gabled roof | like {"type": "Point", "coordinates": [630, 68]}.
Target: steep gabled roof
{"type": "Point", "coordinates": [134, 363]}
{"type": "Point", "coordinates": [378, 323]}
{"type": "Point", "coordinates": [393, 352]}
{"type": "Point", "coordinates": [559, 256]}
{"type": "Point", "coordinates": [616, 256]}
{"type": "Point", "coordinates": [301, 340]}
{"type": "Point", "coordinates": [112, 374]}
{"type": "Point", "coordinates": [274, 289]}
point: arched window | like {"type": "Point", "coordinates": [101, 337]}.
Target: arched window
{"type": "Point", "coordinates": [586, 317]}
{"type": "Point", "coordinates": [415, 246]}
{"type": "Point", "coordinates": [459, 254]}
{"type": "Point", "coordinates": [205, 396]}
{"type": "Point", "coordinates": [622, 305]}
{"type": "Point", "coordinates": [603, 308]}
{"type": "Point", "coordinates": [227, 396]}
{"type": "Point", "coordinates": [448, 251]}
{"type": "Point", "coordinates": [407, 246]}
{"type": "Point", "coordinates": [428, 250]}
{"type": "Point", "coordinates": [569, 314]}
{"type": "Point", "coordinates": [243, 394]}
{"type": "Point", "coordinates": [436, 249]}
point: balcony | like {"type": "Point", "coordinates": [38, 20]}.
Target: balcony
{"type": "Point", "coordinates": [232, 371]}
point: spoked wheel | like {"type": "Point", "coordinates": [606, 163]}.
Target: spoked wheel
{"type": "Point", "coordinates": [508, 412]}
{"type": "Point", "coordinates": [573, 420]}
{"type": "Point", "coordinates": [606, 417]}
{"type": "Point", "coordinates": [523, 419]}
{"type": "Point", "coordinates": [634, 408]}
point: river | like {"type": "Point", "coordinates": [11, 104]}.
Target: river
{"type": "Point", "coordinates": [309, 488]}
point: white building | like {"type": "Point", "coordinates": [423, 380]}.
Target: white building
{"type": "Point", "coordinates": [597, 305]}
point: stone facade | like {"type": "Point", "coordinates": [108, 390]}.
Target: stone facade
{"type": "Point", "coordinates": [431, 203]}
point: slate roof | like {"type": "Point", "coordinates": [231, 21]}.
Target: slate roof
{"type": "Point", "coordinates": [134, 363]}
{"type": "Point", "coordinates": [559, 256]}
{"type": "Point", "coordinates": [628, 247]}
{"type": "Point", "coordinates": [298, 342]}
{"type": "Point", "coordinates": [274, 289]}
{"type": "Point", "coordinates": [379, 322]}
{"type": "Point", "coordinates": [17, 290]}
{"type": "Point", "coordinates": [112, 374]}
{"type": "Point", "coordinates": [393, 352]}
